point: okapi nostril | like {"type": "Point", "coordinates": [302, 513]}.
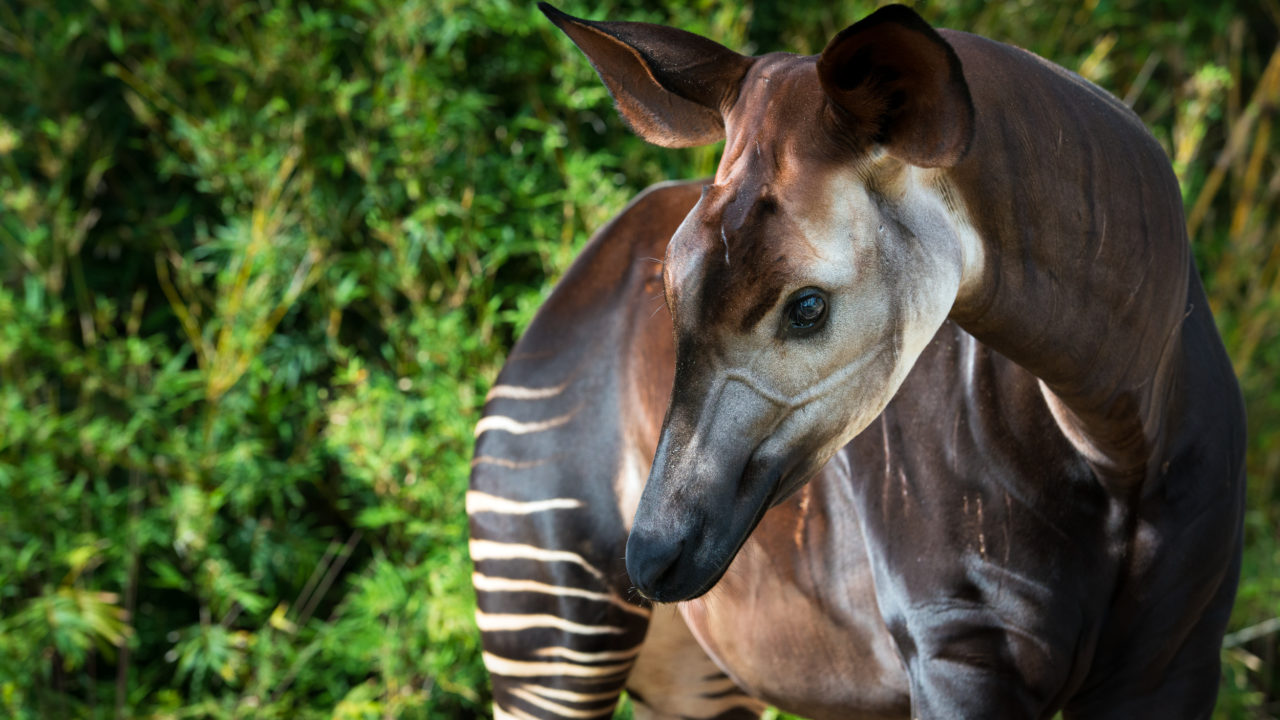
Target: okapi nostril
{"type": "Point", "coordinates": [649, 560]}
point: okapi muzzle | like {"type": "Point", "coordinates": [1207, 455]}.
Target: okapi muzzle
{"type": "Point", "coordinates": [807, 279]}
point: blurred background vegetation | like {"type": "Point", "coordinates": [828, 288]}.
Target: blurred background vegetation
{"type": "Point", "coordinates": [259, 262]}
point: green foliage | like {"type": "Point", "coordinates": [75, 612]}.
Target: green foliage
{"type": "Point", "coordinates": [259, 262]}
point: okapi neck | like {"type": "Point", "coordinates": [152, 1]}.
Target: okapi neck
{"type": "Point", "coordinates": [1108, 374]}
{"type": "Point", "coordinates": [1086, 265]}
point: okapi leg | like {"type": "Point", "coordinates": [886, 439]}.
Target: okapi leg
{"type": "Point", "coordinates": [561, 456]}
{"type": "Point", "coordinates": [674, 678]}
{"type": "Point", "coordinates": [558, 639]}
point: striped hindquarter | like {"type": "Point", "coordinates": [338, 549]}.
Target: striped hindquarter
{"type": "Point", "coordinates": [562, 453]}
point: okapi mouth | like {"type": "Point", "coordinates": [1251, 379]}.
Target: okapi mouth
{"type": "Point", "coordinates": [725, 457]}
{"type": "Point", "coordinates": [666, 569]}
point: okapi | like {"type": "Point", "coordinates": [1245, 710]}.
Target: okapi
{"type": "Point", "coordinates": [935, 421]}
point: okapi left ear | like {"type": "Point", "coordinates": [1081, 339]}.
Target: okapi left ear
{"type": "Point", "coordinates": [671, 86]}
{"type": "Point", "coordinates": [893, 80]}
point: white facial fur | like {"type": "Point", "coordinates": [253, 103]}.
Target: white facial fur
{"type": "Point", "coordinates": [891, 262]}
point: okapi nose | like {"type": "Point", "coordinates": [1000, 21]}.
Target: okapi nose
{"type": "Point", "coordinates": [648, 560]}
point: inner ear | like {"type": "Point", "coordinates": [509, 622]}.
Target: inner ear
{"type": "Point", "coordinates": [671, 86]}
{"type": "Point", "coordinates": [890, 79]}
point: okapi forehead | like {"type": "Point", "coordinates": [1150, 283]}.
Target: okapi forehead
{"type": "Point", "coordinates": [740, 248]}
{"type": "Point", "coordinates": [732, 259]}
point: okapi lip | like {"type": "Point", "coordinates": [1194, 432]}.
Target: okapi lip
{"type": "Point", "coordinates": [767, 502]}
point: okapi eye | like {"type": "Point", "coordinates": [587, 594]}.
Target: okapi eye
{"type": "Point", "coordinates": [807, 311]}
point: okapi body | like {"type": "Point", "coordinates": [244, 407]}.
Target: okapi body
{"type": "Point", "coordinates": [934, 422]}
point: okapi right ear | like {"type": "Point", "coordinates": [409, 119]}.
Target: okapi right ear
{"type": "Point", "coordinates": [892, 80]}
{"type": "Point", "coordinates": [671, 86]}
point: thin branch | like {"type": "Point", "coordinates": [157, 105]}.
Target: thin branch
{"type": "Point", "coordinates": [1251, 633]}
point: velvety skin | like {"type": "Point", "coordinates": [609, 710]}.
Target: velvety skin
{"type": "Point", "coordinates": [1027, 438]}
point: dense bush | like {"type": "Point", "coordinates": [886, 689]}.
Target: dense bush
{"type": "Point", "coordinates": [261, 260]}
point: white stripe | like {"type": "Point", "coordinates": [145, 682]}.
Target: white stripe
{"type": "Point", "coordinates": [513, 668]}
{"type": "Point", "coordinates": [503, 462]}
{"type": "Point", "coordinates": [490, 550]}
{"type": "Point", "coordinates": [501, 713]}
{"type": "Point", "coordinates": [502, 622]}
{"type": "Point", "coordinates": [569, 695]}
{"type": "Point", "coordinates": [561, 710]}
{"type": "Point", "coordinates": [478, 502]}
{"type": "Point", "coordinates": [579, 656]}
{"type": "Point", "coordinates": [519, 392]}
{"type": "Point", "coordinates": [519, 427]}
{"type": "Point", "coordinates": [484, 583]}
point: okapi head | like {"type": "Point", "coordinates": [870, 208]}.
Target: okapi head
{"type": "Point", "coordinates": [808, 278]}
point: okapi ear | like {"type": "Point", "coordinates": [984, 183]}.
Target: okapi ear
{"type": "Point", "coordinates": [892, 79]}
{"type": "Point", "coordinates": [671, 86]}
